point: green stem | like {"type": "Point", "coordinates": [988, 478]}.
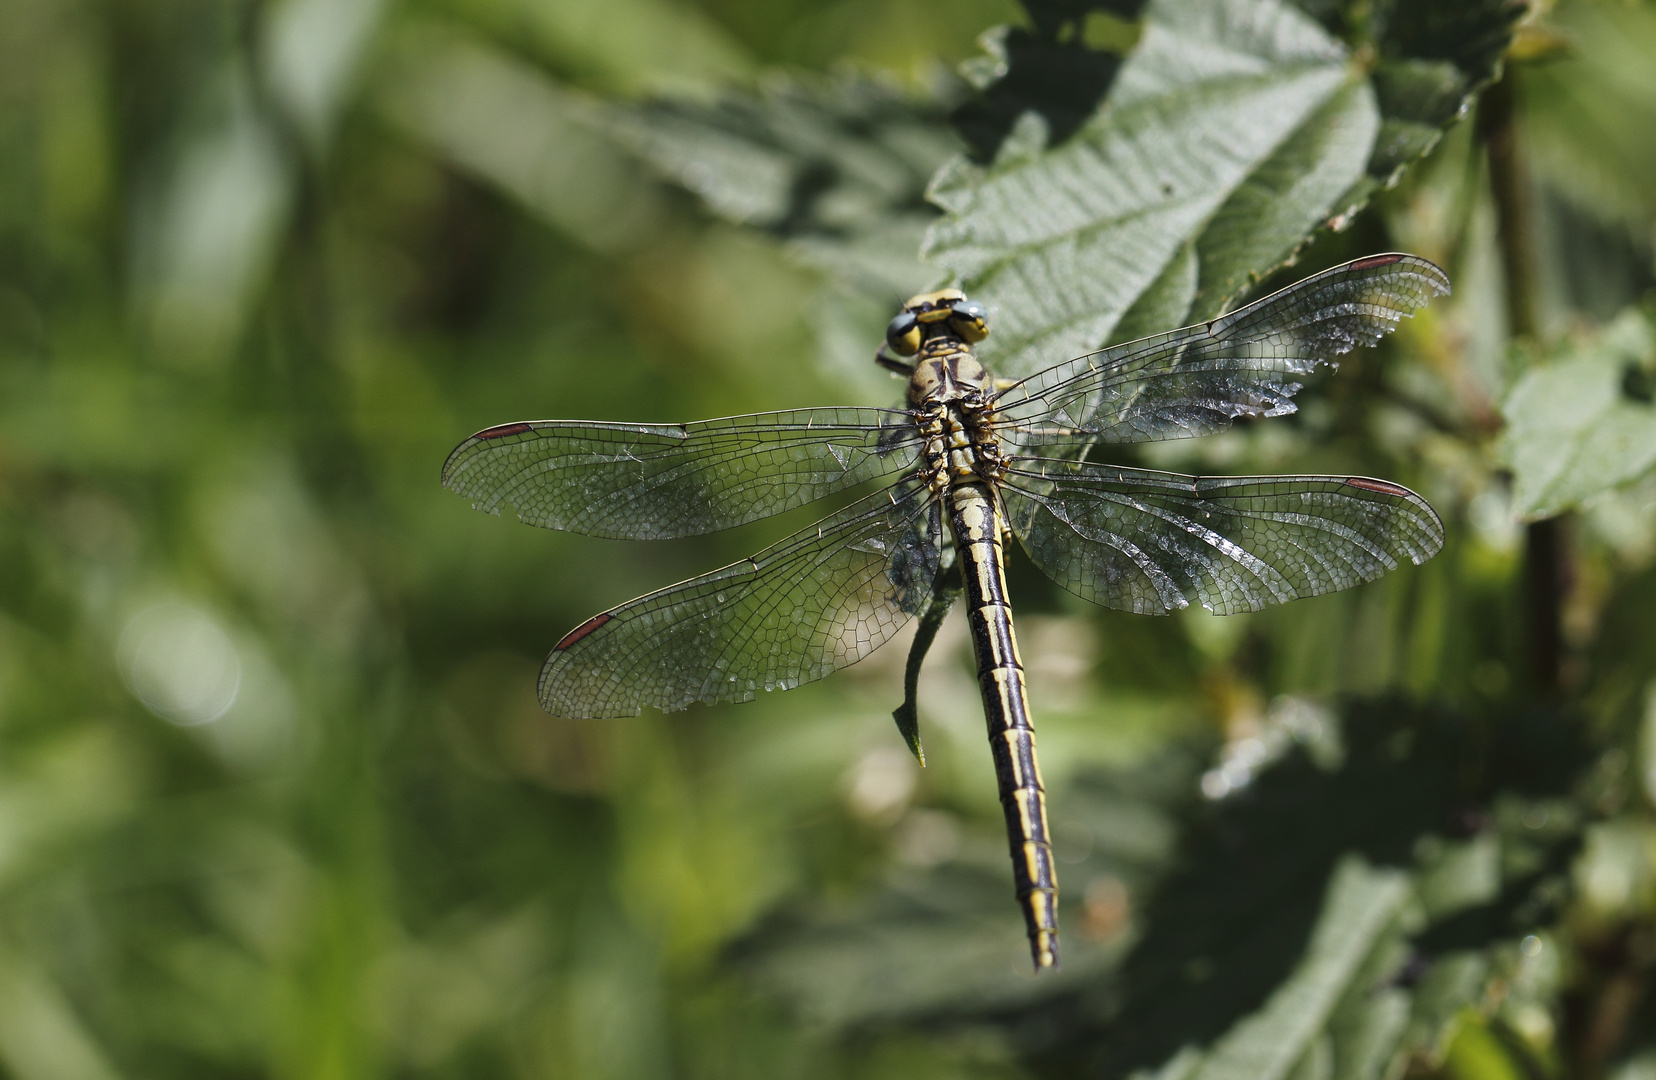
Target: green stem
{"type": "Point", "coordinates": [1546, 567]}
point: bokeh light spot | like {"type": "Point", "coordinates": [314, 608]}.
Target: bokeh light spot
{"type": "Point", "coordinates": [180, 663]}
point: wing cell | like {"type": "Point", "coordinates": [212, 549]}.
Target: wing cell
{"type": "Point", "coordinates": [814, 602]}
{"type": "Point", "coordinates": [1197, 380]}
{"type": "Point", "coordinates": [654, 481]}
{"type": "Point", "coordinates": [1153, 542]}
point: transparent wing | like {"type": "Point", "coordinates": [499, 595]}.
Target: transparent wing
{"type": "Point", "coordinates": [823, 598]}
{"type": "Point", "coordinates": [653, 481]}
{"type": "Point", "coordinates": [1152, 542]}
{"type": "Point", "coordinates": [1195, 381]}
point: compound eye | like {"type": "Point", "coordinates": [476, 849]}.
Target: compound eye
{"type": "Point", "coordinates": [970, 320]}
{"type": "Point", "coordinates": [903, 335]}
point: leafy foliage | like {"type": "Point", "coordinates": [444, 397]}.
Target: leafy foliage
{"type": "Point", "coordinates": [1581, 423]}
{"type": "Point", "coordinates": [1194, 179]}
{"type": "Point", "coordinates": [838, 168]}
{"type": "Point", "coordinates": [1346, 906]}
{"type": "Point", "coordinates": [278, 799]}
{"type": "Point", "coordinates": [1308, 868]}
{"type": "Point", "coordinates": [1050, 69]}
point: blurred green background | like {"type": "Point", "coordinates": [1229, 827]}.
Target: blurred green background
{"type": "Point", "coordinates": [276, 798]}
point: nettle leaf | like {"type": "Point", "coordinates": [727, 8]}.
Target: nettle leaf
{"type": "Point", "coordinates": [1333, 917]}
{"type": "Point", "coordinates": [1121, 175]}
{"type": "Point", "coordinates": [1233, 131]}
{"type": "Point", "coordinates": [1354, 935]}
{"type": "Point", "coordinates": [943, 941]}
{"type": "Point", "coordinates": [1238, 953]}
{"type": "Point", "coordinates": [1060, 66]}
{"type": "Point", "coordinates": [1583, 421]}
{"type": "Point", "coordinates": [836, 167]}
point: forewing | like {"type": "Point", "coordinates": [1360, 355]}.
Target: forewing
{"type": "Point", "coordinates": [1152, 542]}
{"type": "Point", "coordinates": [653, 481]}
{"type": "Point", "coordinates": [1197, 380]}
{"type": "Point", "coordinates": [823, 598]}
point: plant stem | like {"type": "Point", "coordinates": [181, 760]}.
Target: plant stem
{"type": "Point", "coordinates": [1546, 571]}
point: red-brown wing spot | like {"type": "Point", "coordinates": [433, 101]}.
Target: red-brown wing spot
{"type": "Point", "coordinates": [1382, 486]}
{"type": "Point", "coordinates": [582, 631]}
{"type": "Point", "coordinates": [503, 429]}
{"type": "Point", "coordinates": [1374, 260]}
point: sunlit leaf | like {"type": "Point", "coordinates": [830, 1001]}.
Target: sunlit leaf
{"type": "Point", "coordinates": [1234, 129]}
{"type": "Point", "coordinates": [1582, 421]}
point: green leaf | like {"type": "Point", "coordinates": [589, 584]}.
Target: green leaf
{"type": "Point", "coordinates": [1588, 113]}
{"type": "Point", "coordinates": [1321, 921]}
{"type": "Point", "coordinates": [1060, 241]}
{"type": "Point", "coordinates": [1284, 199]}
{"type": "Point", "coordinates": [1432, 57]}
{"type": "Point", "coordinates": [1241, 919]}
{"type": "Point", "coordinates": [552, 157]}
{"type": "Point", "coordinates": [1582, 422]}
{"type": "Point", "coordinates": [1362, 904]}
{"type": "Point", "coordinates": [1060, 66]}
{"type": "Point", "coordinates": [837, 167]}
{"type": "Point", "coordinates": [944, 941]}
{"type": "Point", "coordinates": [1235, 130]}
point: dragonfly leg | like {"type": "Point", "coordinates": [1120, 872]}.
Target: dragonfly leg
{"type": "Point", "coordinates": [945, 591]}
{"type": "Point", "coordinates": [894, 363]}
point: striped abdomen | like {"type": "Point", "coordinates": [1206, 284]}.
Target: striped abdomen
{"type": "Point", "coordinates": [976, 524]}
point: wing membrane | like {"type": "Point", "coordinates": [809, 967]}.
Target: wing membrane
{"type": "Point", "coordinates": [653, 481]}
{"type": "Point", "coordinates": [1196, 380]}
{"type": "Point", "coordinates": [1151, 542]}
{"type": "Point", "coordinates": [815, 602]}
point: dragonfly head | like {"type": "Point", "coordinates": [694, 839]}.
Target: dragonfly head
{"type": "Point", "coordinates": [929, 314]}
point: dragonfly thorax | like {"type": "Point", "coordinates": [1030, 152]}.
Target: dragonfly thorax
{"type": "Point", "coordinates": [949, 394]}
{"type": "Point", "coordinates": [948, 377]}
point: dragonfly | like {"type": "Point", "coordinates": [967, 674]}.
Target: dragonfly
{"type": "Point", "coordinates": [967, 463]}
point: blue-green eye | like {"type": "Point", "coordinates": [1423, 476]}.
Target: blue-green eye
{"type": "Point", "coordinates": [903, 335]}
{"type": "Point", "coordinates": [970, 320]}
